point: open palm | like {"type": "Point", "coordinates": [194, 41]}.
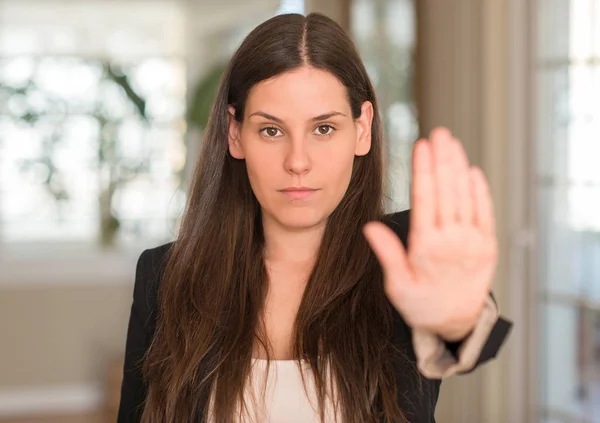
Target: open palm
{"type": "Point", "coordinates": [442, 282]}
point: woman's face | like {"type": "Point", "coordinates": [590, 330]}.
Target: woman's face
{"type": "Point", "coordinates": [299, 141]}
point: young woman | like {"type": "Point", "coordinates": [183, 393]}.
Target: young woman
{"type": "Point", "coordinates": [288, 295]}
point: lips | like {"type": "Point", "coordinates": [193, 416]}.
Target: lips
{"type": "Point", "coordinates": [299, 193]}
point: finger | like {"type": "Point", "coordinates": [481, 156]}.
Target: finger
{"type": "Point", "coordinates": [464, 197]}
{"type": "Point", "coordinates": [388, 249]}
{"type": "Point", "coordinates": [423, 187]}
{"type": "Point", "coordinates": [484, 210]}
{"type": "Point", "coordinates": [444, 167]}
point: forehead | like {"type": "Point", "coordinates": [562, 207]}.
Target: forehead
{"type": "Point", "coordinates": [301, 93]}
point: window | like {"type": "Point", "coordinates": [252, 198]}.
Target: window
{"type": "Point", "coordinates": [568, 205]}
{"type": "Point", "coordinates": [291, 6]}
{"type": "Point", "coordinates": [384, 31]}
{"type": "Point", "coordinates": [92, 107]}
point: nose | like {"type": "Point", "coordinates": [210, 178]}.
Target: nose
{"type": "Point", "coordinates": [297, 160]}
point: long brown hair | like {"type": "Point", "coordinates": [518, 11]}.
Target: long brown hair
{"type": "Point", "coordinates": [215, 281]}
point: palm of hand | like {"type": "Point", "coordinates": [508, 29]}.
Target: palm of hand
{"type": "Point", "coordinates": [442, 282]}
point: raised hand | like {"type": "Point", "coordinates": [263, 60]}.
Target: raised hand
{"type": "Point", "coordinates": [442, 282]}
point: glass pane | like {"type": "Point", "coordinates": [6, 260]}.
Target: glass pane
{"type": "Point", "coordinates": [553, 29]}
{"type": "Point", "coordinates": [581, 22]}
{"type": "Point", "coordinates": [384, 31]}
{"type": "Point", "coordinates": [557, 243]}
{"type": "Point", "coordinates": [570, 366]}
{"type": "Point", "coordinates": [596, 29]}
{"type": "Point", "coordinates": [90, 147]}
{"type": "Point", "coordinates": [291, 6]}
{"type": "Point", "coordinates": [584, 148]}
{"type": "Point", "coordinates": [553, 115]}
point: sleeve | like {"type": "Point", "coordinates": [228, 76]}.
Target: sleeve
{"type": "Point", "coordinates": [438, 359]}
{"type": "Point", "coordinates": [133, 390]}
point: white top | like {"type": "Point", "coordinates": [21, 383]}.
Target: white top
{"type": "Point", "coordinates": [287, 402]}
{"type": "Point", "coordinates": [285, 399]}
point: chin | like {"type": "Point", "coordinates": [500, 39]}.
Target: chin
{"type": "Point", "coordinates": [299, 219]}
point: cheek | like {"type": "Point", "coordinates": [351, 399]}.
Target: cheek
{"type": "Point", "coordinates": [264, 170]}
{"type": "Point", "coordinates": [336, 168]}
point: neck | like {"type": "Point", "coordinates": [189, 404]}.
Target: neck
{"type": "Point", "coordinates": [290, 245]}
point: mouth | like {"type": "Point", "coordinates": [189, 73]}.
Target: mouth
{"type": "Point", "coordinates": [298, 193]}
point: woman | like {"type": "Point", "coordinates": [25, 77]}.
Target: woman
{"type": "Point", "coordinates": [285, 298]}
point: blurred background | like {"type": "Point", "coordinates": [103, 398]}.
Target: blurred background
{"type": "Point", "coordinates": [102, 106]}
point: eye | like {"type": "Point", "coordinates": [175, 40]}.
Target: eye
{"type": "Point", "coordinates": [324, 130]}
{"type": "Point", "coordinates": [271, 132]}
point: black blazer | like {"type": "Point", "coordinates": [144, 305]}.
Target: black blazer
{"type": "Point", "coordinates": [419, 407]}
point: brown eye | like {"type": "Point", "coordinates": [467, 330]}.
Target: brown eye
{"type": "Point", "coordinates": [271, 132]}
{"type": "Point", "coordinates": [324, 130]}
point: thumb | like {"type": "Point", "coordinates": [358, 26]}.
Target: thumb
{"type": "Point", "coordinates": [388, 249]}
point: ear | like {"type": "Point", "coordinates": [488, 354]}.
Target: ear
{"type": "Point", "coordinates": [363, 129]}
{"type": "Point", "coordinates": [234, 132]}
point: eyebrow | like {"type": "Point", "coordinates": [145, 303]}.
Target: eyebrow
{"type": "Point", "coordinates": [314, 119]}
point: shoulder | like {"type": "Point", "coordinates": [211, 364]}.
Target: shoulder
{"type": "Point", "coordinates": [148, 276]}
{"type": "Point", "coordinates": [151, 263]}
{"type": "Point", "coordinates": [399, 222]}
